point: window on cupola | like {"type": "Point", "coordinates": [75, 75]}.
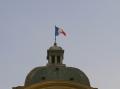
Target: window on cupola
{"type": "Point", "coordinates": [58, 59]}
{"type": "Point", "coordinates": [53, 59]}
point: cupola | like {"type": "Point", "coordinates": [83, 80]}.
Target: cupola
{"type": "Point", "coordinates": [55, 55]}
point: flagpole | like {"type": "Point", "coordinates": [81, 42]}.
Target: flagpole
{"type": "Point", "coordinates": [55, 34]}
{"type": "Point", "coordinates": [55, 38]}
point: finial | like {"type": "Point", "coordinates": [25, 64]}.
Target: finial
{"type": "Point", "coordinates": [55, 44]}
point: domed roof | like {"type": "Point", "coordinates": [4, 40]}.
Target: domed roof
{"type": "Point", "coordinates": [55, 47]}
{"type": "Point", "coordinates": [48, 73]}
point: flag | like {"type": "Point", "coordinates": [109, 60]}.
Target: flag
{"type": "Point", "coordinates": [59, 31]}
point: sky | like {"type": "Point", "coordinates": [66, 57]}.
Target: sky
{"type": "Point", "coordinates": [92, 43]}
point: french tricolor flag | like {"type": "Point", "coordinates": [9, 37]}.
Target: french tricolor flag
{"type": "Point", "coordinates": [59, 31]}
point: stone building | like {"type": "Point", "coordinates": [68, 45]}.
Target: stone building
{"type": "Point", "coordinates": [56, 75]}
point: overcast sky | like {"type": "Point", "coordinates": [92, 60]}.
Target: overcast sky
{"type": "Point", "coordinates": [92, 43]}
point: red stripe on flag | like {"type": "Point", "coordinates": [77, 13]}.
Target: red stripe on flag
{"type": "Point", "coordinates": [62, 32]}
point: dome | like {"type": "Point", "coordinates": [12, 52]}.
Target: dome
{"type": "Point", "coordinates": [49, 73]}
{"type": "Point", "coordinates": [55, 47]}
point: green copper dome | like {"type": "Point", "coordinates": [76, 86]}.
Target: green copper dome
{"type": "Point", "coordinates": [56, 70]}
{"type": "Point", "coordinates": [47, 73]}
